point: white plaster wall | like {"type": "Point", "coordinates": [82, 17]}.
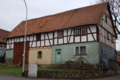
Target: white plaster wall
{"type": "Point", "coordinates": [12, 46]}
{"type": "Point", "coordinates": [27, 38]}
{"type": "Point", "coordinates": [77, 39]}
{"type": "Point", "coordinates": [51, 41]}
{"type": "Point", "coordinates": [55, 34]}
{"type": "Point", "coordinates": [38, 43]}
{"type": "Point", "coordinates": [88, 31]}
{"type": "Point", "coordinates": [90, 38]}
{"type": "Point", "coordinates": [71, 39]}
{"type": "Point", "coordinates": [50, 35]}
{"type": "Point", "coordinates": [42, 36]}
{"type": "Point", "coordinates": [34, 44]}
{"type": "Point", "coordinates": [42, 43]}
{"type": "Point", "coordinates": [69, 31]}
{"type": "Point", "coordinates": [21, 39]}
{"type": "Point", "coordinates": [65, 39]}
{"type": "Point", "coordinates": [93, 28]}
{"type": "Point", "coordinates": [55, 41]}
{"type": "Point", "coordinates": [46, 36]}
{"type": "Point", "coordinates": [7, 46]}
{"type": "Point", "coordinates": [95, 36]}
{"type": "Point", "coordinates": [65, 32]}
{"type": "Point", "coordinates": [47, 42]}
{"type": "Point", "coordinates": [31, 38]}
{"type": "Point", "coordinates": [30, 44]}
{"type": "Point", "coordinates": [12, 40]}
{"type": "Point", "coordinates": [34, 37]}
{"type": "Point", "coordinates": [60, 41]}
{"type": "Point", "coordinates": [83, 38]}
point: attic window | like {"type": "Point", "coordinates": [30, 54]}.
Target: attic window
{"type": "Point", "coordinates": [60, 34]}
{"type": "Point", "coordinates": [84, 31]}
{"type": "Point", "coordinates": [77, 32]}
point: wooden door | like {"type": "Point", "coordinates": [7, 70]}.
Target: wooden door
{"type": "Point", "coordinates": [18, 53]}
{"type": "Point", "coordinates": [58, 56]}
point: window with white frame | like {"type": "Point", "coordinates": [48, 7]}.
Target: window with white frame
{"type": "Point", "coordinates": [80, 50]}
{"type": "Point", "coordinates": [60, 34]}
{"type": "Point", "coordinates": [77, 50]}
{"type": "Point", "coordinates": [83, 31]}
{"type": "Point", "coordinates": [77, 32]}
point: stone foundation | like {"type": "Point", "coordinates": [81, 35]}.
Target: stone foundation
{"type": "Point", "coordinates": [109, 72]}
{"type": "Point", "coordinates": [67, 74]}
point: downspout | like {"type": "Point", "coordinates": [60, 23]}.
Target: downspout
{"type": "Point", "coordinates": [100, 52]}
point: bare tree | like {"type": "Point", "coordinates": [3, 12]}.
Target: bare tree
{"type": "Point", "coordinates": [115, 11]}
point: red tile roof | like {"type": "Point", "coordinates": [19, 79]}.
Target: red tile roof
{"type": "Point", "coordinates": [3, 35]}
{"type": "Point", "coordinates": [77, 17]}
{"type": "Point", "coordinates": [118, 56]}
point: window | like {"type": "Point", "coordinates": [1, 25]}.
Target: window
{"type": "Point", "coordinates": [60, 34]}
{"type": "Point", "coordinates": [39, 54]}
{"type": "Point", "coordinates": [80, 50]}
{"type": "Point", "coordinates": [77, 50]}
{"type": "Point", "coordinates": [77, 32]}
{"type": "Point", "coordinates": [106, 18]}
{"type": "Point", "coordinates": [107, 35]}
{"type": "Point", "coordinates": [112, 39]}
{"type": "Point", "coordinates": [84, 31]}
{"type": "Point", "coordinates": [58, 53]}
{"type": "Point", "coordinates": [38, 37]}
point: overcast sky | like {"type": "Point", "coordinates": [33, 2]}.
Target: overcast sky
{"type": "Point", "coordinates": [12, 12]}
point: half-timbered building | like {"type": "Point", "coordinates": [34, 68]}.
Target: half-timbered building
{"type": "Point", "coordinates": [3, 35]}
{"type": "Point", "coordinates": [88, 32]}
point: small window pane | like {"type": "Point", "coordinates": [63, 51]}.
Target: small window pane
{"type": "Point", "coordinates": [39, 54]}
{"type": "Point", "coordinates": [77, 50]}
{"type": "Point", "coordinates": [60, 34]}
{"type": "Point", "coordinates": [77, 32]}
{"type": "Point", "coordinates": [58, 52]}
{"type": "Point", "coordinates": [83, 50]}
{"type": "Point", "coordinates": [84, 31]}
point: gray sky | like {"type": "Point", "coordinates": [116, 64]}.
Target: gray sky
{"type": "Point", "coordinates": [12, 12]}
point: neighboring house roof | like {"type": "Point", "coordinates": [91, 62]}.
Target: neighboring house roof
{"type": "Point", "coordinates": [3, 35]}
{"type": "Point", "coordinates": [118, 56]}
{"type": "Point", "coordinates": [77, 17]}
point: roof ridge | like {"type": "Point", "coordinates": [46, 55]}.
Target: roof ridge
{"type": "Point", "coordinates": [65, 11]}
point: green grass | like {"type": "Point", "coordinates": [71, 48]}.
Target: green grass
{"type": "Point", "coordinates": [18, 70]}
{"type": "Point", "coordinates": [4, 66]}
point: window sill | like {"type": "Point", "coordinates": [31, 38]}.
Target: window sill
{"type": "Point", "coordinates": [39, 58]}
{"type": "Point", "coordinates": [79, 54]}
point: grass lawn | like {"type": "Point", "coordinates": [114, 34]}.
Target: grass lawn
{"type": "Point", "coordinates": [18, 70]}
